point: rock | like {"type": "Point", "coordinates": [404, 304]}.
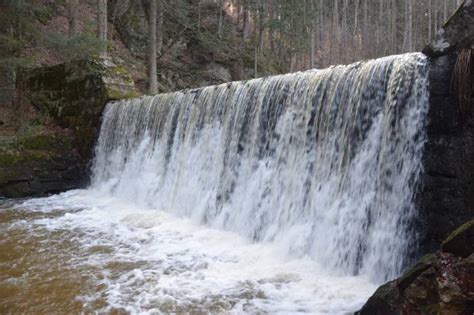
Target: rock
{"type": "Point", "coordinates": [75, 94]}
{"type": "Point", "coordinates": [461, 241]}
{"type": "Point", "coordinates": [385, 301]}
{"type": "Point", "coordinates": [441, 283]}
{"type": "Point", "coordinates": [446, 196]}
{"type": "Point", "coordinates": [131, 24]}
{"type": "Point", "coordinates": [457, 32]}
{"type": "Point", "coordinates": [54, 158]}
{"type": "Point", "coordinates": [217, 73]}
{"type": "Point", "coordinates": [39, 164]}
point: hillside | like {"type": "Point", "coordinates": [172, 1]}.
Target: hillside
{"type": "Point", "coordinates": [190, 56]}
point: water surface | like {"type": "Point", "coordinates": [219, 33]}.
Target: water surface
{"type": "Point", "coordinates": [69, 254]}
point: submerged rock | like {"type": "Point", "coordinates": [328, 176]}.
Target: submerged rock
{"type": "Point", "coordinates": [440, 283]}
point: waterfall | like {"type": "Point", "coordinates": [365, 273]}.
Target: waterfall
{"type": "Point", "coordinates": [323, 163]}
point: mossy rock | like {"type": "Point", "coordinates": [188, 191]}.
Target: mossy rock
{"type": "Point", "coordinates": [461, 241]}
{"type": "Point", "coordinates": [75, 95]}
{"type": "Point", "coordinates": [54, 158]}
{"type": "Point", "coordinates": [9, 158]}
{"type": "Point", "coordinates": [46, 142]}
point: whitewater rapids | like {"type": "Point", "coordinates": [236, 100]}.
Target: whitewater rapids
{"type": "Point", "coordinates": [283, 195]}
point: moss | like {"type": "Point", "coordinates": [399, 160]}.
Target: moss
{"type": "Point", "coordinates": [459, 231]}
{"type": "Point", "coordinates": [8, 158]}
{"type": "Point", "coordinates": [461, 241]}
{"type": "Point", "coordinates": [38, 142]}
{"type": "Point", "coordinates": [116, 94]}
{"type": "Point", "coordinates": [36, 156]}
{"type": "Point", "coordinates": [120, 70]}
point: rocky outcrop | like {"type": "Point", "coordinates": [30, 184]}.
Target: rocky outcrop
{"type": "Point", "coordinates": [457, 32]}
{"type": "Point", "coordinates": [54, 158]}
{"type": "Point", "coordinates": [440, 283]}
{"type": "Point", "coordinates": [446, 196]}
{"type": "Point", "coordinates": [75, 94]}
{"type": "Point", "coordinates": [39, 163]}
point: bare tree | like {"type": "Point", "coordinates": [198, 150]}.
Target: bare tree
{"type": "Point", "coordinates": [159, 26]}
{"type": "Point", "coordinates": [153, 83]}
{"type": "Point", "coordinates": [220, 24]}
{"type": "Point", "coordinates": [102, 23]}
{"type": "Point", "coordinates": [72, 8]}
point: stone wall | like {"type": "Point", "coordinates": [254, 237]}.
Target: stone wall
{"type": "Point", "coordinates": [446, 198]}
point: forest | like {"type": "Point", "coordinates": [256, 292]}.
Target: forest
{"type": "Point", "coordinates": [262, 36]}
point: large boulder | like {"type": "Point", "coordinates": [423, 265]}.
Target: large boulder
{"type": "Point", "coordinates": [440, 283]}
{"type": "Point", "coordinates": [54, 156]}
{"type": "Point", "coordinates": [75, 94]}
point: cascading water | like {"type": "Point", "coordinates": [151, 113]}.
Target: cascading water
{"type": "Point", "coordinates": [284, 195]}
{"type": "Point", "coordinates": [323, 163]}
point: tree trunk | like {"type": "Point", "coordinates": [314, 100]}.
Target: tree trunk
{"type": "Point", "coordinates": [102, 23]}
{"type": "Point", "coordinates": [199, 15]}
{"type": "Point", "coordinates": [356, 17]}
{"type": "Point", "coordinates": [271, 37]}
{"type": "Point", "coordinates": [312, 38]}
{"type": "Point", "coordinates": [408, 37]}
{"type": "Point", "coordinates": [221, 19]}
{"type": "Point", "coordinates": [261, 27]}
{"type": "Point", "coordinates": [430, 12]}
{"type": "Point", "coordinates": [343, 40]}
{"type": "Point", "coordinates": [159, 27]}
{"type": "Point", "coordinates": [445, 11]}
{"type": "Point", "coordinates": [256, 62]}
{"type": "Point", "coordinates": [394, 14]}
{"type": "Point", "coordinates": [379, 48]}
{"type": "Point", "coordinates": [246, 9]}
{"type": "Point", "coordinates": [336, 29]}
{"type": "Point", "coordinates": [72, 6]}
{"type": "Point", "coordinates": [153, 84]}
{"type": "Point", "coordinates": [366, 40]}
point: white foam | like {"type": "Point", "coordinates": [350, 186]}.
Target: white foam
{"type": "Point", "coordinates": [290, 194]}
{"type": "Point", "coordinates": [190, 267]}
{"type": "Point", "coordinates": [324, 162]}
